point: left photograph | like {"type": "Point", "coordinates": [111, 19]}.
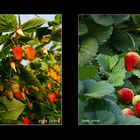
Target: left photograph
{"type": "Point", "coordinates": [30, 69]}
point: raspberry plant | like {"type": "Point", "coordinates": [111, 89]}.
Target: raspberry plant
{"type": "Point", "coordinates": [104, 43]}
{"type": "Point", "coordinates": [30, 70]}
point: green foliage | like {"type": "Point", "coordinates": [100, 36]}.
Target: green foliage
{"type": "Point", "coordinates": [106, 62]}
{"type": "Point", "coordinates": [32, 25]}
{"type": "Point", "coordinates": [129, 120]}
{"type": "Point", "coordinates": [103, 72]}
{"type": "Point", "coordinates": [108, 20]}
{"type": "Point", "coordinates": [93, 89]}
{"type": "Point", "coordinates": [136, 19]}
{"type": "Point", "coordinates": [29, 78]}
{"type": "Point", "coordinates": [8, 22]}
{"type": "Point", "coordinates": [136, 73]}
{"type": "Point", "coordinates": [102, 111]}
{"type": "Point", "coordinates": [87, 73]}
{"type": "Point", "coordinates": [82, 28]}
{"type": "Point", "coordinates": [122, 41]}
{"type": "Point", "coordinates": [88, 49]}
{"type": "Point", "coordinates": [101, 33]}
{"type": "Point", "coordinates": [37, 80]}
{"type": "Point", "coordinates": [14, 109]}
{"type": "Point", "coordinates": [119, 72]}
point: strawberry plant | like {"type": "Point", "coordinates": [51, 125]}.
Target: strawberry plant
{"type": "Point", "coordinates": [109, 69]}
{"type": "Point", "coordinates": [30, 70]}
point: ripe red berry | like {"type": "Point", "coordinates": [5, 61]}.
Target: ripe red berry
{"type": "Point", "coordinates": [17, 52]}
{"type": "Point", "coordinates": [132, 59]}
{"type": "Point", "coordinates": [25, 121]}
{"type": "Point", "coordinates": [52, 97]}
{"type": "Point", "coordinates": [137, 109]}
{"type": "Point", "coordinates": [125, 95]}
{"type": "Point", "coordinates": [18, 95]}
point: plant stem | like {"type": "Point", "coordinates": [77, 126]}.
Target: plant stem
{"type": "Point", "coordinates": [19, 21]}
{"type": "Point", "coordinates": [133, 42]}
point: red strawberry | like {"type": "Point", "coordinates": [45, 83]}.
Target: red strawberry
{"type": "Point", "coordinates": [132, 59]}
{"type": "Point", "coordinates": [127, 111]}
{"type": "Point", "coordinates": [52, 97]}
{"type": "Point", "coordinates": [17, 52]}
{"type": "Point", "coordinates": [137, 109]}
{"type": "Point", "coordinates": [18, 95]}
{"type": "Point", "coordinates": [125, 95]}
{"type": "Point", "coordinates": [25, 121]}
{"type": "Point", "coordinates": [30, 53]}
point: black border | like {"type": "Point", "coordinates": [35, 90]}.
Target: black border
{"type": "Point", "coordinates": [69, 10]}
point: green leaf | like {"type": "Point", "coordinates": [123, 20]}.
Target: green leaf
{"type": "Point", "coordinates": [117, 75]}
{"type": "Point", "coordinates": [83, 29]}
{"type": "Point", "coordinates": [120, 64]}
{"type": "Point", "coordinates": [100, 117]}
{"type": "Point", "coordinates": [44, 66]}
{"type": "Point", "coordinates": [9, 121]}
{"type": "Point", "coordinates": [122, 42]}
{"type": "Point", "coordinates": [136, 73]}
{"type": "Point", "coordinates": [55, 36]}
{"type": "Point", "coordinates": [81, 109]}
{"type": "Point", "coordinates": [120, 18]}
{"type": "Point", "coordinates": [95, 109]}
{"type": "Point", "coordinates": [136, 37]}
{"type": "Point", "coordinates": [4, 53]}
{"type": "Point", "coordinates": [6, 48]}
{"type": "Point", "coordinates": [2, 38]}
{"type": "Point", "coordinates": [58, 18]}
{"type": "Point", "coordinates": [108, 49]}
{"type": "Point", "coordinates": [93, 89]}
{"type": "Point", "coordinates": [14, 109]}
{"type": "Point", "coordinates": [88, 49]}
{"type": "Point", "coordinates": [129, 120]}
{"type": "Point", "coordinates": [3, 107]}
{"type": "Point", "coordinates": [8, 22]}
{"type": "Point", "coordinates": [33, 24]}
{"type": "Point", "coordinates": [80, 87]}
{"type": "Point", "coordinates": [136, 19]}
{"type": "Point", "coordinates": [107, 62]}
{"type": "Point", "coordinates": [42, 31]}
{"type": "Point", "coordinates": [29, 78]}
{"type": "Point", "coordinates": [57, 21]}
{"type": "Point", "coordinates": [87, 73]}
{"type": "Point", "coordinates": [107, 20]}
{"type": "Point", "coordinates": [101, 33]}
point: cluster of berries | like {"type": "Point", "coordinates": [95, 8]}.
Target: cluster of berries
{"type": "Point", "coordinates": [126, 95]}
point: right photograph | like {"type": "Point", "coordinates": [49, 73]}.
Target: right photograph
{"type": "Point", "coordinates": [109, 69]}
